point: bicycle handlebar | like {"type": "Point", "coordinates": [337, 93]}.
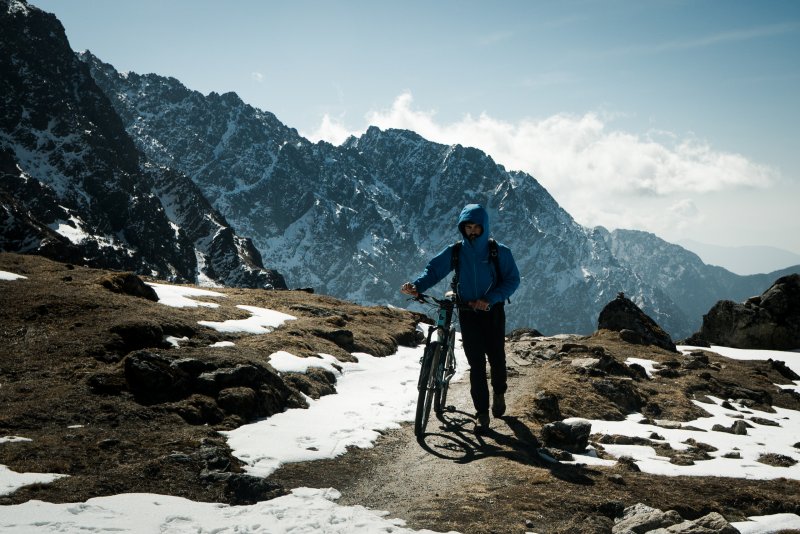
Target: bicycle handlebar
{"type": "Point", "coordinates": [450, 299]}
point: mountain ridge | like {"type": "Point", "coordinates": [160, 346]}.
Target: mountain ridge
{"type": "Point", "coordinates": [75, 187]}
{"type": "Point", "coordinates": [743, 260]}
{"type": "Point", "coordinates": [387, 201]}
{"type": "Point", "coordinates": [354, 221]}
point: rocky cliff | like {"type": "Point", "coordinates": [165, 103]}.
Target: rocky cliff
{"type": "Point", "coordinates": [73, 185]}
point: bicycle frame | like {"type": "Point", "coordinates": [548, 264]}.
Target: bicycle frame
{"type": "Point", "coordinates": [438, 361]}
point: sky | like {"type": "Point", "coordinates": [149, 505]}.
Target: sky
{"type": "Point", "coordinates": [375, 395]}
{"type": "Point", "coordinates": [675, 117]}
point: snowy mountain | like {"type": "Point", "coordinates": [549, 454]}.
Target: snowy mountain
{"type": "Point", "coordinates": [694, 286]}
{"type": "Point", "coordinates": [355, 221]}
{"type": "Point", "coordinates": [81, 176]}
{"type": "Point", "coordinates": [73, 185]}
{"type": "Point", "coordinates": [742, 260]}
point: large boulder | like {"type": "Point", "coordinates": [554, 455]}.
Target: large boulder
{"type": "Point", "coordinates": [634, 326]}
{"type": "Point", "coordinates": [642, 518]}
{"type": "Point", "coordinates": [571, 435]}
{"type": "Point", "coordinates": [129, 284]}
{"type": "Point", "coordinates": [770, 321]}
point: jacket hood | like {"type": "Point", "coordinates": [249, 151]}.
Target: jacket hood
{"type": "Point", "coordinates": [476, 214]}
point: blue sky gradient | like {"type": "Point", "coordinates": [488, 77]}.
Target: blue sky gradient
{"type": "Point", "coordinates": [676, 117]}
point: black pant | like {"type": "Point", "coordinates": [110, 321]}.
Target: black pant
{"type": "Point", "coordinates": [483, 334]}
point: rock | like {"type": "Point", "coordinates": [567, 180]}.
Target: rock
{"type": "Point", "coordinates": [152, 378]}
{"type": "Point", "coordinates": [764, 422]}
{"type": "Point", "coordinates": [241, 401]}
{"type": "Point", "coordinates": [715, 522]}
{"type": "Point", "coordinates": [315, 383]}
{"type": "Point", "coordinates": [712, 523]}
{"type": "Point", "coordinates": [341, 337]}
{"type": "Point", "coordinates": [616, 478]}
{"type": "Point", "coordinates": [611, 509]}
{"type": "Point", "coordinates": [783, 369]}
{"type": "Point", "coordinates": [600, 364]}
{"type": "Point", "coordinates": [739, 428]}
{"type": "Point", "coordinates": [631, 336]}
{"type": "Point", "coordinates": [557, 454]}
{"type": "Point", "coordinates": [197, 410]}
{"type": "Point", "coordinates": [776, 460]}
{"type": "Point", "coordinates": [519, 334]}
{"type": "Point", "coordinates": [241, 375]}
{"type": "Point", "coordinates": [546, 407]}
{"type": "Point", "coordinates": [574, 347]}
{"type": "Point", "coordinates": [586, 363]}
{"type": "Point", "coordinates": [572, 436]}
{"type": "Point", "coordinates": [203, 392]}
{"type": "Point", "coordinates": [626, 463]}
{"type": "Point", "coordinates": [134, 335]}
{"type": "Point", "coordinates": [641, 518]}
{"type": "Point", "coordinates": [770, 322]}
{"type": "Point", "coordinates": [696, 340]}
{"type": "Point", "coordinates": [242, 489]}
{"type": "Point", "coordinates": [622, 392]}
{"type": "Point", "coordinates": [695, 360]}
{"type": "Point", "coordinates": [107, 383]}
{"type": "Point", "coordinates": [622, 315]}
{"type": "Point", "coordinates": [129, 284]}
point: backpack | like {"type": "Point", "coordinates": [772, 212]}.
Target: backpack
{"type": "Point", "coordinates": [493, 256]}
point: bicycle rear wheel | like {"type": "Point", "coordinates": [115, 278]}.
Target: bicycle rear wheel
{"type": "Point", "coordinates": [426, 386]}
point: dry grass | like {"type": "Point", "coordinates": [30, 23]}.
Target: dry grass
{"type": "Point", "coordinates": [60, 329]}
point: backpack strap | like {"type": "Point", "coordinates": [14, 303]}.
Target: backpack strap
{"type": "Point", "coordinates": [494, 256]}
{"type": "Point", "coordinates": [454, 265]}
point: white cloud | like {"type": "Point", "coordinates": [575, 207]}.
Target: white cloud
{"type": "Point", "coordinates": [600, 175]}
{"type": "Point", "coordinates": [685, 208]}
{"type": "Point", "coordinates": [257, 76]}
{"type": "Point", "coordinates": [332, 131]}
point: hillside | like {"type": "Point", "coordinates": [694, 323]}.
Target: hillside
{"type": "Point", "coordinates": [138, 172]}
{"type": "Point", "coordinates": [88, 374]}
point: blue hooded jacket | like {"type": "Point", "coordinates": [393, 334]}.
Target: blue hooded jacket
{"type": "Point", "coordinates": [477, 277]}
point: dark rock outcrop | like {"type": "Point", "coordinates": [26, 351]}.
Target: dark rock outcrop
{"type": "Point", "coordinates": [635, 326]}
{"type": "Point", "coordinates": [73, 185]}
{"type": "Point", "coordinates": [770, 321]}
{"type": "Point", "coordinates": [129, 284]}
{"type": "Point", "coordinates": [643, 518]}
{"type": "Point", "coordinates": [571, 436]}
{"type": "Point", "coordinates": [200, 391]}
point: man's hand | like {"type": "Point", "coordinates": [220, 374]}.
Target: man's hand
{"type": "Point", "coordinates": [479, 305]}
{"type": "Point", "coordinates": [409, 289]}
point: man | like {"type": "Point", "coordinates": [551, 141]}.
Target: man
{"type": "Point", "coordinates": [482, 292]}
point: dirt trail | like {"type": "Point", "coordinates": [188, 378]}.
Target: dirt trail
{"type": "Point", "coordinates": [497, 483]}
{"type": "Point", "coordinates": [452, 479]}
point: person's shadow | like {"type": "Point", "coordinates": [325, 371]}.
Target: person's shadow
{"type": "Point", "coordinates": [458, 441]}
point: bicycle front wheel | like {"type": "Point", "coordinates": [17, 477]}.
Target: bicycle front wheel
{"type": "Point", "coordinates": [448, 369]}
{"type": "Point", "coordinates": [427, 386]}
{"type": "Point", "coordinates": [445, 374]}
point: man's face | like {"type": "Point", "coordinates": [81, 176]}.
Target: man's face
{"type": "Point", "coordinates": [472, 230]}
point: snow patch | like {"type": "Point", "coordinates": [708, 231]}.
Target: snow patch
{"type": "Point", "coordinates": [5, 275]}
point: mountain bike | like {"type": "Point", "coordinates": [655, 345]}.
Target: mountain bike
{"type": "Point", "coordinates": [438, 361]}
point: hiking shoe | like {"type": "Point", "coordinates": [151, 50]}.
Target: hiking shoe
{"type": "Point", "coordinates": [483, 421]}
{"type": "Point", "coordinates": [498, 405]}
